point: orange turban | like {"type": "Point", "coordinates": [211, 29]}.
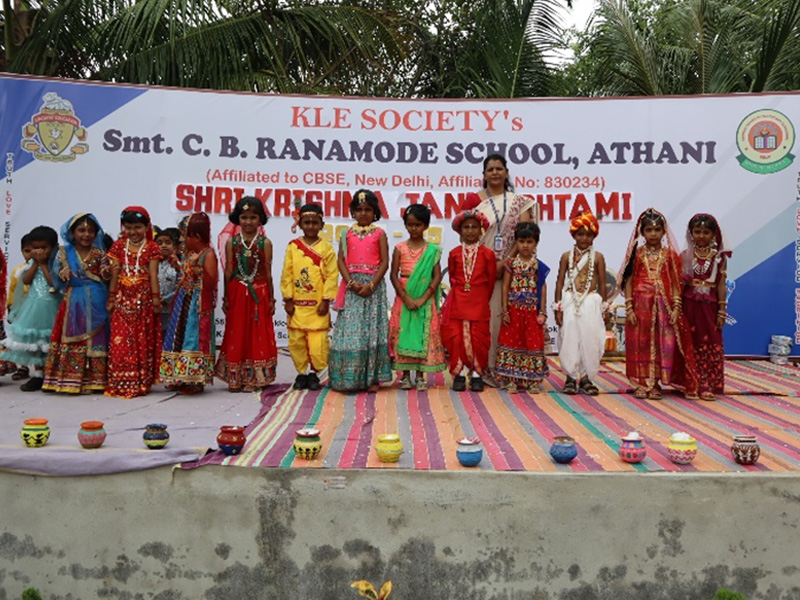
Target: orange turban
{"type": "Point", "coordinates": [587, 220]}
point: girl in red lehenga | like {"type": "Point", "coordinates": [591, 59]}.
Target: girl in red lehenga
{"type": "Point", "coordinates": [705, 262]}
{"type": "Point", "coordinates": [248, 355]}
{"type": "Point", "coordinates": [134, 301]}
{"type": "Point", "coordinates": [658, 343]}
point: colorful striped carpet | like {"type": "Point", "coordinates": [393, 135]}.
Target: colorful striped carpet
{"type": "Point", "coordinates": [516, 430]}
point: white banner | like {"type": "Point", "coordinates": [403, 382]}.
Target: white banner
{"type": "Point", "coordinates": [75, 146]}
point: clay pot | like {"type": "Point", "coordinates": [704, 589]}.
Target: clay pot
{"type": "Point", "coordinates": [681, 452]}
{"type": "Point", "coordinates": [91, 434]}
{"type": "Point", "coordinates": [231, 439]}
{"type": "Point", "coordinates": [307, 444]}
{"type": "Point", "coordinates": [35, 432]}
{"type": "Point", "coordinates": [469, 452]}
{"type": "Point", "coordinates": [632, 449]}
{"type": "Point", "coordinates": [155, 436]}
{"type": "Point", "coordinates": [389, 447]}
{"type": "Point", "coordinates": [563, 449]}
{"type": "Point", "coordinates": [745, 449]}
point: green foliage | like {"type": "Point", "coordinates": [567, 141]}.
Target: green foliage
{"type": "Point", "coordinates": [31, 594]}
{"type": "Point", "coordinates": [725, 594]}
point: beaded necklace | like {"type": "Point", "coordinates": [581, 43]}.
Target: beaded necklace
{"type": "Point", "coordinates": [574, 271]}
{"type": "Point", "coordinates": [470, 258]}
{"type": "Point", "coordinates": [138, 254]}
{"type": "Point", "coordinates": [242, 271]}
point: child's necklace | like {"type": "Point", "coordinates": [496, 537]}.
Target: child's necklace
{"type": "Point", "coordinates": [706, 256]}
{"type": "Point", "coordinates": [574, 272]}
{"type": "Point", "coordinates": [248, 249]}
{"type": "Point", "coordinates": [470, 256]}
{"type": "Point", "coordinates": [138, 254]}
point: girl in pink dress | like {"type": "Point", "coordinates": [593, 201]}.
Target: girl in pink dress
{"type": "Point", "coordinates": [359, 358]}
{"type": "Point", "coordinates": [415, 339]}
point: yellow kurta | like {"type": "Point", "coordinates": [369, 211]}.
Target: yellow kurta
{"type": "Point", "coordinates": [310, 275]}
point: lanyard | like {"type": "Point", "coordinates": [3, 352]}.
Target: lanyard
{"type": "Point", "coordinates": [497, 218]}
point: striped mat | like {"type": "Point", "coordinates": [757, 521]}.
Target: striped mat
{"type": "Point", "coordinates": [517, 429]}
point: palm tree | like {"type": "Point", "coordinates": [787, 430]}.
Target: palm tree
{"type": "Point", "coordinates": [270, 45]}
{"type": "Point", "coordinates": [643, 47]}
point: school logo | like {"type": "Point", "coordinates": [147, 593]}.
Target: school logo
{"type": "Point", "coordinates": [765, 139]}
{"type": "Point", "coordinates": [54, 133]}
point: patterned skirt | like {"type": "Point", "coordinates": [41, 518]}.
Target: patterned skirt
{"type": "Point", "coordinates": [187, 357]}
{"type": "Point", "coordinates": [74, 367]}
{"type": "Point", "coordinates": [434, 361]}
{"type": "Point", "coordinates": [520, 348]}
{"type": "Point", "coordinates": [359, 347]}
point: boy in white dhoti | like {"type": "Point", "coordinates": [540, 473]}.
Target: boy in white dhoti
{"type": "Point", "coordinates": [580, 297]}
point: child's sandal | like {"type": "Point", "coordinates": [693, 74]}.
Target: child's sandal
{"type": "Point", "coordinates": [654, 393]}
{"type": "Point", "coordinates": [640, 392]}
{"type": "Point", "coordinates": [20, 374]}
{"type": "Point", "coordinates": [707, 396]}
{"type": "Point", "coordinates": [587, 387]}
{"type": "Point", "coordinates": [570, 386]}
{"type": "Point", "coordinates": [421, 384]}
{"type": "Point", "coordinates": [405, 383]}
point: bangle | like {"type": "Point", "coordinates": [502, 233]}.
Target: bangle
{"type": "Point", "coordinates": [723, 302]}
{"type": "Point", "coordinates": [371, 286]}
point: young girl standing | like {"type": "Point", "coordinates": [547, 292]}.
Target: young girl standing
{"type": "Point", "coordinates": [705, 300]}
{"type": "Point", "coordinates": [415, 340]}
{"type": "Point", "coordinates": [521, 362]}
{"type": "Point", "coordinates": [579, 298]}
{"type": "Point", "coordinates": [28, 335]}
{"type": "Point", "coordinates": [187, 356]}
{"type": "Point", "coordinates": [134, 301]}
{"type": "Point", "coordinates": [167, 240]}
{"type": "Point", "coordinates": [359, 347]}
{"type": "Point", "coordinates": [466, 312]}
{"type": "Point", "coordinates": [248, 355]}
{"type": "Point", "coordinates": [77, 360]}
{"type": "Point", "coordinates": [308, 286]}
{"type": "Point", "coordinates": [16, 294]}
{"type": "Point", "coordinates": [658, 344]}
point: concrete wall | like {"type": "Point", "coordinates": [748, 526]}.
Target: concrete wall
{"type": "Point", "coordinates": [223, 533]}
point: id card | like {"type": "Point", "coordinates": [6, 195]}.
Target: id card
{"type": "Point", "coordinates": [498, 243]}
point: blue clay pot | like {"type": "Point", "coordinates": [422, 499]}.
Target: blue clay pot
{"type": "Point", "coordinates": [563, 449]}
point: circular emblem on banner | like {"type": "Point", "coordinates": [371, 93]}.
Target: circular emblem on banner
{"type": "Point", "coordinates": [765, 139]}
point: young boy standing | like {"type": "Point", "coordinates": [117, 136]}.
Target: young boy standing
{"type": "Point", "coordinates": [308, 284]}
{"type": "Point", "coordinates": [465, 316]}
{"type": "Point", "coordinates": [579, 297]}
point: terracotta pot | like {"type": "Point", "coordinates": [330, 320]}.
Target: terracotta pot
{"type": "Point", "coordinates": [389, 447]}
{"type": "Point", "coordinates": [91, 434]}
{"type": "Point", "coordinates": [35, 432]}
{"type": "Point", "coordinates": [745, 449]}
{"type": "Point", "coordinates": [155, 436]}
{"type": "Point", "coordinates": [563, 449]}
{"type": "Point", "coordinates": [231, 439]}
{"type": "Point", "coordinates": [307, 444]}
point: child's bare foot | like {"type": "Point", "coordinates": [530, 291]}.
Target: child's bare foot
{"type": "Point", "coordinates": [707, 396]}
{"type": "Point", "coordinates": [374, 388]}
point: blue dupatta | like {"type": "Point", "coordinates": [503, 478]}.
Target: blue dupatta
{"type": "Point", "coordinates": [86, 315]}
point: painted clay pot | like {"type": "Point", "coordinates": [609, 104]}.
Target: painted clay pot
{"type": "Point", "coordinates": [745, 449]}
{"type": "Point", "coordinates": [632, 449]}
{"type": "Point", "coordinates": [389, 447]}
{"type": "Point", "coordinates": [231, 439]}
{"type": "Point", "coordinates": [681, 451]}
{"type": "Point", "coordinates": [35, 432]}
{"type": "Point", "coordinates": [307, 443]}
{"type": "Point", "coordinates": [469, 452]}
{"type": "Point", "coordinates": [155, 436]}
{"type": "Point", "coordinates": [91, 434]}
{"type": "Point", "coordinates": [563, 449]}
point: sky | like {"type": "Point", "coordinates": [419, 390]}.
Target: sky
{"type": "Point", "coordinates": [581, 9]}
